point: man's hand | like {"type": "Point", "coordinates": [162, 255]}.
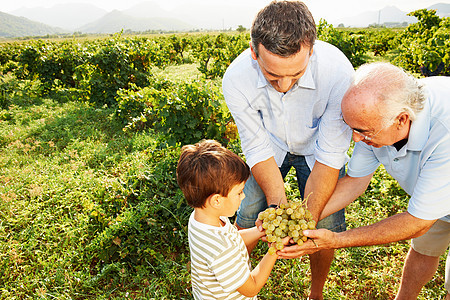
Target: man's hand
{"type": "Point", "coordinates": [323, 239]}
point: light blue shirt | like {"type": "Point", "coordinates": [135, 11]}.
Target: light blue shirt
{"type": "Point", "coordinates": [422, 166]}
{"type": "Point", "coordinates": [307, 120]}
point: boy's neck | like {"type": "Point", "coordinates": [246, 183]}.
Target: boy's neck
{"type": "Point", "coordinates": [207, 216]}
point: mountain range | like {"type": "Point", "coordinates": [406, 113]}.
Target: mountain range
{"type": "Point", "coordinates": [12, 26]}
{"type": "Point", "coordinates": [87, 18]}
{"type": "Point", "coordinates": [389, 14]}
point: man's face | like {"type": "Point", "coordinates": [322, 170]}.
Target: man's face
{"type": "Point", "coordinates": [364, 118]}
{"type": "Point", "coordinates": [282, 72]}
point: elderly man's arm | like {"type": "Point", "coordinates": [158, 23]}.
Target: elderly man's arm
{"type": "Point", "coordinates": [399, 227]}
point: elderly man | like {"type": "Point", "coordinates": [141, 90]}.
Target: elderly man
{"type": "Point", "coordinates": [404, 124]}
{"type": "Point", "coordinates": [285, 96]}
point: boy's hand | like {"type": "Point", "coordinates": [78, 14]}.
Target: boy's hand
{"type": "Point", "coordinates": [258, 223]}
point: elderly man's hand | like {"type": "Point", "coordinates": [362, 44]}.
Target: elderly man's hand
{"type": "Point", "coordinates": [319, 239]}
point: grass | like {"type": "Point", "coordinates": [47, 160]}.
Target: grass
{"type": "Point", "coordinates": [89, 211]}
{"type": "Point", "coordinates": [179, 73]}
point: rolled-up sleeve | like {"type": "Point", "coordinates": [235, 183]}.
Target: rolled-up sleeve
{"type": "Point", "coordinates": [334, 135]}
{"type": "Point", "coordinates": [255, 140]}
{"type": "Point", "coordinates": [363, 161]}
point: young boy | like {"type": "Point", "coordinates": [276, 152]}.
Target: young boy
{"type": "Point", "coordinates": [212, 179]}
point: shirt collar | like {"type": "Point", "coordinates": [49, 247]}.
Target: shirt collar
{"type": "Point", "coordinates": [307, 80]}
{"type": "Point", "coordinates": [262, 81]}
{"type": "Point", "coordinates": [419, 131]}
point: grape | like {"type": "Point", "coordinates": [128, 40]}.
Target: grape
{"type": "Point", "coordinates": [279, 245]}
{"type": "Point", "coordinates": [272, 250]}
{"type": "Point", "coordinates": [278, 231]}
{"type": "Point", "coordinates": [312, 224]}
{"type": "Point", "coordinates": [290, 219]}
{"type": "Point", "coordinates": [294, 233]}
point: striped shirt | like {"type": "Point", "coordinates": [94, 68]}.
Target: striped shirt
{"type": "Point", "coordinates": [219, 260]}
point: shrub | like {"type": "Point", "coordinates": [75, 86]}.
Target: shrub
{"type": "Point", "coordinates": [424, 47]}
{"type": "Point", "coordinates": [352, 45]}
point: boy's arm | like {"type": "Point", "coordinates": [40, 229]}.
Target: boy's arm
{"type": "Point", "coordinates": [251, 235]}
{"type": "Point", "coordinates": [260, 274]}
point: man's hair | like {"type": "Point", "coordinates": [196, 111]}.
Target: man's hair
{"type": "Point", "coordinates": [208, 168]}
{"type": "Point", "coordinates": [283, 28]}
{"type": "Point", "coordinates": [396, 90]}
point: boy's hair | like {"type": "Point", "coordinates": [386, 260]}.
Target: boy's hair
{"type": "Point", "coordinates": [208, 168]}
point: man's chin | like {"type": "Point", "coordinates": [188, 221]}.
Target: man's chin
{"type": "Point", "coordinates": [373, 145]}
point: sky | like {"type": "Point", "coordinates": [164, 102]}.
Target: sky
{"type": "Point", "coordinates": [326, 9]}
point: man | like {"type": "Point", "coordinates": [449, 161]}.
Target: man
{"type": "Point", "coordinates": [404, 124]}
{"type": "Point", "coordinates": [285, 94]}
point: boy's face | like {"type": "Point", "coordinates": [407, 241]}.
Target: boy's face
{"type": "Point", "coordinates": [233, 199]}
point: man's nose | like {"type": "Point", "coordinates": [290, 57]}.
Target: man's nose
{"type": "Point", "coordinates": [284, 84]}
{"type": "Point", "coordinates": [357, 137]}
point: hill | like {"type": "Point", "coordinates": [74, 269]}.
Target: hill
{"type": "Point", "coordinates": [12, 26]}
{"type": "Point", "coordinates": [389, 15]}
{"type": "Point", "coordinates": [115, 21]}
{"type": "Point", "coordinates": [68, 16]}
{"type": "Point", "coordinates": [442, 9]}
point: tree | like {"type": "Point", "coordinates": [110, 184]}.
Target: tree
{"type": "Point", "coordinates": [241, 29]}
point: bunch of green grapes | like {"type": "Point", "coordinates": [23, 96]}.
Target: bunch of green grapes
{"type": "Point", "coordinates": [290, 219]}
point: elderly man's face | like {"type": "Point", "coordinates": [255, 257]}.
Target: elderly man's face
{"type": "Point", "coordinates": [282, 72]}
{"type": "Point", "coordinates": [365, 119]}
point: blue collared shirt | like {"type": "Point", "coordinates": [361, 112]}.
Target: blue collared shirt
{"type": "Point", "coordinates": [307, 120]}
{"type": "Point", "coordinates": [422, 166]}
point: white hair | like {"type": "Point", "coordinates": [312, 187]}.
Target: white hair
{"type": "Point", "coordinates": [397, 91]}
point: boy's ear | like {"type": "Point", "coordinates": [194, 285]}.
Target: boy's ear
{"type": "Point", "coordinates": [215, 200]}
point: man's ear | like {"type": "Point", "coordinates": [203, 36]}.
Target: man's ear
{"type": "Point", "coordinates": [254, 56]}
{"type": "Point", "coordinates": [215, 200]}
{"type": "Point", "coordinates": [403, 119]}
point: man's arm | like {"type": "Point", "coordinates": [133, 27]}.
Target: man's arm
{"type": "Point", "coordinates": [268, 176]}
{"type": "Point", "coordinates": [399, 227]}
{"type": "Point", "coordinates": [319, 187]}
{"type": "Point", "coordinates": [348, 189]}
